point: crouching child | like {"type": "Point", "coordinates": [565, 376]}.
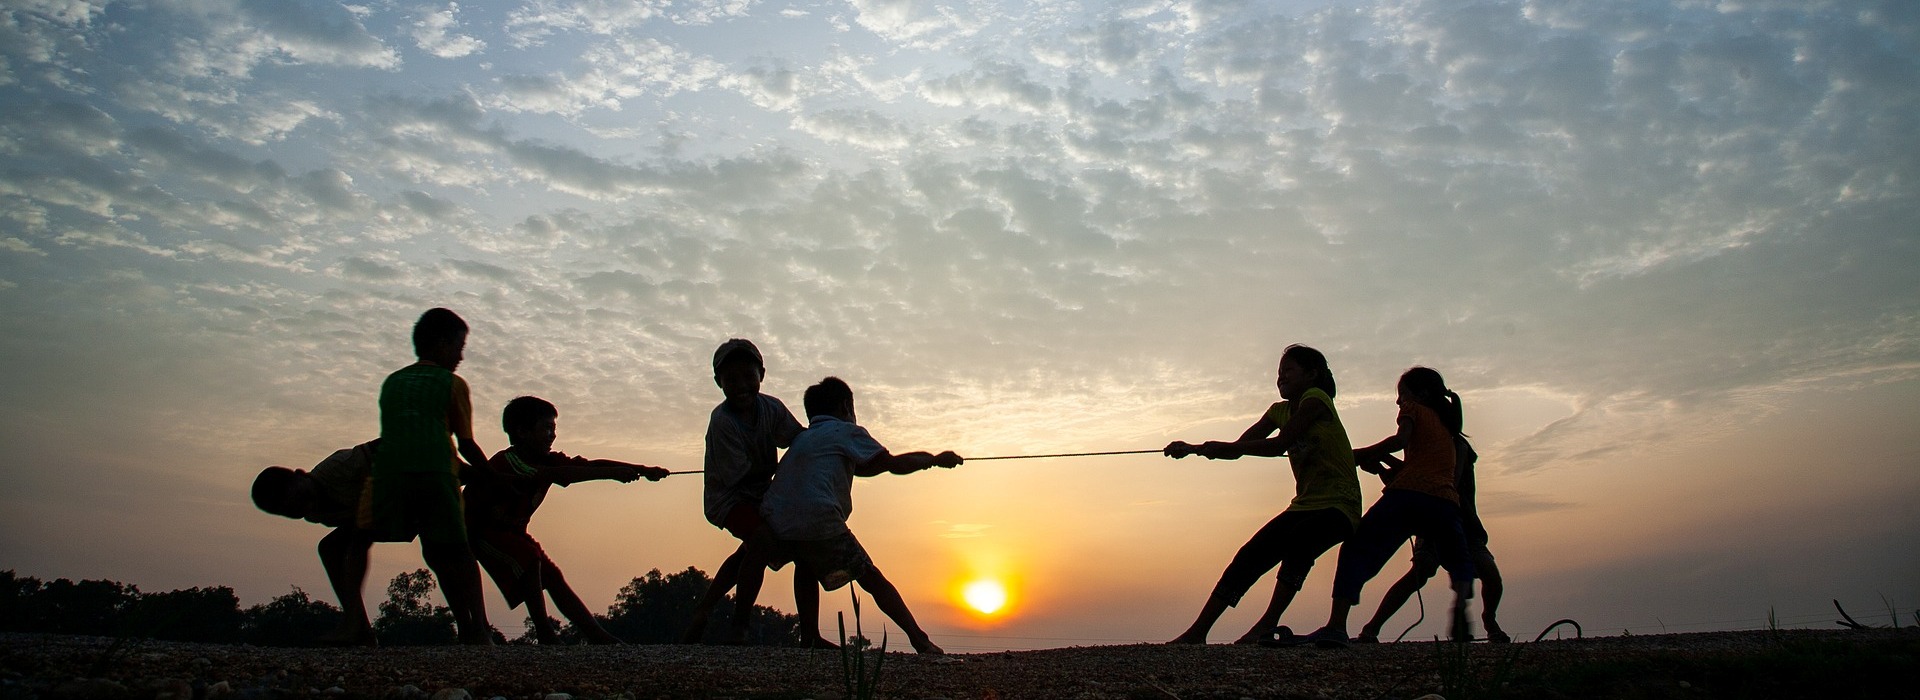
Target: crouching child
{"type": "Point", "coordinates": [332, 494]}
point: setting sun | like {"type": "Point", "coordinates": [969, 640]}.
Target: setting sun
{"type": "Point", "coordinates": [987, 597]}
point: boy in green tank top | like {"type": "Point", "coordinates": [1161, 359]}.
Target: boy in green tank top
{"type": "Point", "coordinates": [424, 409]}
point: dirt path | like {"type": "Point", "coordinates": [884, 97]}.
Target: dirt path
{"type": "Point", "coordinates": [1690, 665]}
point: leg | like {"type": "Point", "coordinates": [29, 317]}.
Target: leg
{"type": "Point", "coordinates": [1259, 554]}
{"type": "Point", "coordinates": [746, 594]}
{"type": "Point", "coordinates": [1398, 595]}
{"type": "Point", "coordinates": [1440, 521]}
{"type": "Point", "coordinates": [343, 553]}
{"type": "Point", "coordinates": [806, 599]}
{"type": "Point", "coordinates": [1311, 534]}
{"type": "Point", "coordinates": [1491, 588]}
{"type": "Point", "coordinates": [723, 580]}
{"type": "Point", "coordinates": [1263, 628]}
{"type": "Point", "coordinates": [534, 582]}
{"type": "Point", "coordinates": [459, 574]}
{"type": "Point", "coordinates": [888, 599]}
{"type": "Point", "coordinates": [1386, 526]}
{"type": "Point", "coordinates": [572, 607]}
{"type": "Point", "coordinates": [754, 555]}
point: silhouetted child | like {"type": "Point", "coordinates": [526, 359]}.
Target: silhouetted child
{"type": "Point", "coordinates": [1426, 563]}
{"type": "Point", "coordinates": [501, 499]}
{"type": "Point", "coordinates": [744, 435]}
{"type": "Point", "coordinates": [807, 505]}
{"type": "Point", "coordinates": [331, 495]}
{"type": "Point", "coordinates": [1326, 502]}
{"type": "Point", "coordinates": [424, 409]}
{"type": "Point", "coordinates": [1422, 500]}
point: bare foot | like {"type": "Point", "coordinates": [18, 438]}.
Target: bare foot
{"type": "Point", "coordinates": [818, 642]}
{"type": "Point", "coordinates": [924, 645]}
{"type": "Point", "coordinates": [1188, 638]}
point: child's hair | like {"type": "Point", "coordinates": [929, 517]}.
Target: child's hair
{"type": "Point", "coordinates": [1311, 360]}
{"type": "Point", "coordinates": [737, 350]}
{"type": "Point", "coordinates": [435, 325]}
{"type": "Point", "coordinates": [272, 488]}
{"type": "Point", "coordinates": [827, 396]}
{"type": "Point", "coordinates": [1427, 387]}
{"type": "Point", "coordinates": [523, 411]}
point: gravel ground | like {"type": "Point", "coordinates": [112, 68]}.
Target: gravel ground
{"type": "Point", "coordinates": [89, 668]}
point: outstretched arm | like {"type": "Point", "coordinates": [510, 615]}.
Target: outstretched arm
{"type": "Point", "coordinates": [1260, 429]}
{"type": "Point", "coordinates": [1306, 414]}
{"type": "Point", "coordinates": [908, 463]}
{"type": "Point", "coordinates": [578, 470]}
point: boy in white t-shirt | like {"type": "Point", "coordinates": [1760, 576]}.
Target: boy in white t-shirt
{"type": "Point", "coordinates": [807, 506]}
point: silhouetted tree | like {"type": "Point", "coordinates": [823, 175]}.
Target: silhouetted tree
{"type": "Point", "coordinates": [294, 619]}
{"type": "Point", "coordinates": [192, 615]}
{"type": "Point", "coordinates": [656, 609]}
{"type": "Point", "coordinates": [87, 607]}
{"type": "Point", "coordinates": [408, 617]}
{"type": "Point", "coordinates": [18, 598]}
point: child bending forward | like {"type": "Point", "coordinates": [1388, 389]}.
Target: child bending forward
{"type": "Point", "coordinates": [501, 499]}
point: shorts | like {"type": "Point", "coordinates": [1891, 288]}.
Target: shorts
{"type": "Point", "coordinates": [1426, 562]}
{"type": "Point", "coordinates": [417, 504]}
{"type": "Point", "coordinates": [743, 520]}
{"type": "Point", "coordinates": [834, 562]}
{"type": "Point", "coordinates": [509, 556]}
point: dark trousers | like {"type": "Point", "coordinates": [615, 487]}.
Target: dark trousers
{"type": "Point", "coordinates": [1397, 516]}
{"type": "Point", "coordinates": [1292, 539]}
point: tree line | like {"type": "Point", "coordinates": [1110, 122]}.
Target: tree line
{"type": "Point", "coordinates": [651, 609]}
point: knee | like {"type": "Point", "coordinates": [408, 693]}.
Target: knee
{"type": "Point", "coordinates": [1293, 576]}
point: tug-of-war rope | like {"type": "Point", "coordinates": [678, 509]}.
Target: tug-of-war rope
{"type": "Point", "coordinates": [983, 459]}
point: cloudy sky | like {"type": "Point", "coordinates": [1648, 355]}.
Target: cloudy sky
{"type": "Point", "coordinates": [1665, 250]}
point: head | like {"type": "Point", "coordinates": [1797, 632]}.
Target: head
{"type": "Point", "coordinates": [1425, 386]}
{"type": "Point", "coordinates": [738, 371]}
{"type": "Point", "coordinates": [440, 337]}
{"type": "Point", "coordinates": [531, 423]}
{"type": "Point", "coordinates": [831, 397]}
{"type": "Point", "coordinates": [285, 492]}
{"type": "Point", "coordinates": [1303, 368]}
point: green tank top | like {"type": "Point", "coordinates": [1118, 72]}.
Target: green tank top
{"type": "Point", "coordinates": [1323, 471]}
{"type": "Point", "coordinates": [414, 433]}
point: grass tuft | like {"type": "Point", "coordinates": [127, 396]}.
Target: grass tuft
{"type": "Point", "coordinates": [860, 685]}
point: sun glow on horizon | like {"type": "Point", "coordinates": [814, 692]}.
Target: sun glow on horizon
{"type": "Point", "coordinates": [985, 597]}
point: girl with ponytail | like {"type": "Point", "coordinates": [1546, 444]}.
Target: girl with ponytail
{"type": "Point", "coordinates": [1421, 499]}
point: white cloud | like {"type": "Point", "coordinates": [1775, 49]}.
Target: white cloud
{"type": "Point", "coordinates": [920, 23]}
{"type": "Point", "coordinates": [616, 71]}
{"type": "Point", "coordinates": [535, 21]}
{"type": "Point", "coordinates": [434, 33]}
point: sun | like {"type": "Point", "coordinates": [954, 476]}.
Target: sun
{"type": "Point", "coordinates": [987, 597]}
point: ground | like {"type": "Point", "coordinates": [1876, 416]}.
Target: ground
{"type": "Point", "coordinates": [1795, 663]}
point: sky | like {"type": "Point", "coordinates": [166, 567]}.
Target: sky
{"type": "Point", "coordinates": [1665, 251]}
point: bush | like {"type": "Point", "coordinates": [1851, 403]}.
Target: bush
{"type": "Point", "coordinates": [408, 618]}
{"type": "Point", "coordinates": [656, 609]}
{"type": "Point", "coordinates": [291, 620]}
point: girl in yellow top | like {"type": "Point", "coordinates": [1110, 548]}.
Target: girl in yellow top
{"type": "Point", "coordinates": [1326, 502]}
{"type": "Point", "coordinates": [1421, 499]}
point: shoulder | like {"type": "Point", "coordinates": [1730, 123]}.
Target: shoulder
{"type": "Point", "coordinates": [1316, 395]}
